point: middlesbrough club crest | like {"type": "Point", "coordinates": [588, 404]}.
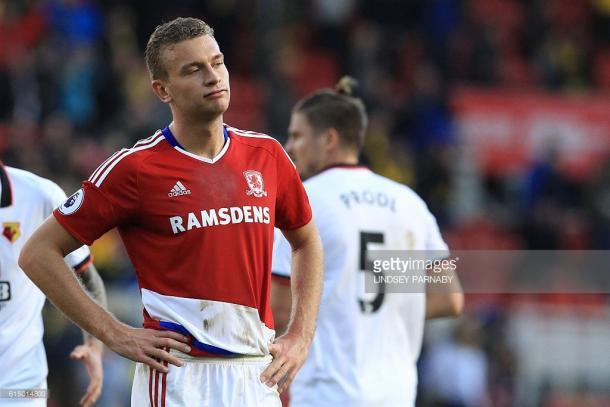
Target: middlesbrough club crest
{"type": "Point", "coordinates": [255, 183]}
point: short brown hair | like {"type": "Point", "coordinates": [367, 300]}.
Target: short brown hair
{"type": "Point", "coordinates": [337, 109]}
{"type": "Point", "coordinates": [173, 32]}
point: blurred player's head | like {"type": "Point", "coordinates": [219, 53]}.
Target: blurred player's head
{"type": "Point", "coordinates": [327, 127]}
{"type": "Point", "coordinates": [187, 68]}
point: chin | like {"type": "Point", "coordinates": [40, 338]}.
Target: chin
{"type": "Point", "coordinates": [213, 111]}
{"type": "Point", "coordinates": [220, 107]}
{"type": "Point", "coordinates": [224, 102]}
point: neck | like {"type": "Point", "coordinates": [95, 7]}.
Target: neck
{"type": "Point", "coordinates": [205, 139]}
{"type": "Point", "coordinates": [342, 157]}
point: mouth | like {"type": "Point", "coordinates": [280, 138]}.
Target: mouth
{"type": "Point", "coordinates": [215, 94]}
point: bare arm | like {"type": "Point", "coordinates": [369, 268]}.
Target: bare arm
{"type": "Point", "coordinates": [94, 285]}
{"type": "Point", "coordinates": [42, 260]}
{"type": "Point", "coordinates": [92, 281]}
{"type": "Point", "coordinates": [290, 349]}
{"type": "Point", "coordinates": [281, 304]}
{"type": "Point", "coordinates": [445, 300]}
{"type": "Point", "coordinates": [91, 351]}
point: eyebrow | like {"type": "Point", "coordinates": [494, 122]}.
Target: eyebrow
{"type": "Point", "coordinates": [196, 63]}
{"type": "Point", "coordinates": [189, 65]}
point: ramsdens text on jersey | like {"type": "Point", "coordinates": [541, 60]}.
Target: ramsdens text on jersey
{"type": "Point", "coordinates": [221, 216]}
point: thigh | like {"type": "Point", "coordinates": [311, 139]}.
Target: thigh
{"type": "Point", "coordinates": [202, 384]}
{"type": "Point", "coordinates": [226, 384]}
{"type": "Point", "coordinates": [147, 387]}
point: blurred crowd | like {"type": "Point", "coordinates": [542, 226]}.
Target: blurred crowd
{"type": "Point", "coordinates": [74, 88]}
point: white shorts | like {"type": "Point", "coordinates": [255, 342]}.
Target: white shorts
{"type": "Point", "coordinates": [205, 382]}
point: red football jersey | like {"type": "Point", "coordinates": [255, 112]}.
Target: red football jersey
{"type": "Point", "coordinates": [198, 231]}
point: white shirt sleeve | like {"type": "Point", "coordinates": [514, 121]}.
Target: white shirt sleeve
{"type": "Point", "coordinates": [434, 240]}
{"type": "Point", "coordinates": [282, 255]}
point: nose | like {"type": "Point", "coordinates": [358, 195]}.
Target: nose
{"type": "Point", "coordinates": [212, 77]}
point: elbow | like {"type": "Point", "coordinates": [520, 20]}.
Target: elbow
{"type": "Point", "coordinates": [26, 258]}
{"type": "Point", "coordinates": [457, 304]}
{"type": "Point", "coordinates": [444, 305]}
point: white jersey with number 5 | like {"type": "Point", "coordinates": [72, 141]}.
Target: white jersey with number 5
{"type": "Point", "coordinates": [366, 346]}
{"type": "Point", "coordinates": [25, 201]}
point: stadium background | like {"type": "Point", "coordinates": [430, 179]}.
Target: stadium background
{"type": "Point", "coordinates": [496, 111]}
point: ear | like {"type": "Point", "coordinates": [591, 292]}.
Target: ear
{"type": "Point", "coordinates": [160, 89]}
{"type": "Point", "coordinates": [331, 139]}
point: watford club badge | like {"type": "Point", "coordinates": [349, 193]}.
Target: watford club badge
{"type": "Point", "coordinates": [11, 231]}
{"type": "Point", "coordinates": [255, 183]}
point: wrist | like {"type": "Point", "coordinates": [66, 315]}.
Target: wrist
{"type": "Point", "coordinates": [109, 331]}
{"type": "Point", "coordinates": [306, 336]}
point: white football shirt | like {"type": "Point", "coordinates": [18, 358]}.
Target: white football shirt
{"type": "Point", "coordinates": [26, 201]}
{"type": "Point", "coordinates": [366, 346]}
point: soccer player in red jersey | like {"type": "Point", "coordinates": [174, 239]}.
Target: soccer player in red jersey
{"type": "Point", "coordinates": [195, 205]}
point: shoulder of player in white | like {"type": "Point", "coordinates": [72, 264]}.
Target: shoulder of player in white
{"type": "Point", "coordinates": [33, 183]}
{"type": "Point", "coordinates": [99, 175]}
{"type": "Point", "coordinates": [319, 186]}
{"type": "Point", "coordinates": [409, 195]}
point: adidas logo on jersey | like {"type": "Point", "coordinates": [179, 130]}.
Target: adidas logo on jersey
{"type": "Point", "coordinates": [178, 190]}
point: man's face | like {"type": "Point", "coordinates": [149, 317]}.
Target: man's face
{"type": "Point", "coordinates": [304, 146]}
{"type": "Point", "coordinates": [197, 78]}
